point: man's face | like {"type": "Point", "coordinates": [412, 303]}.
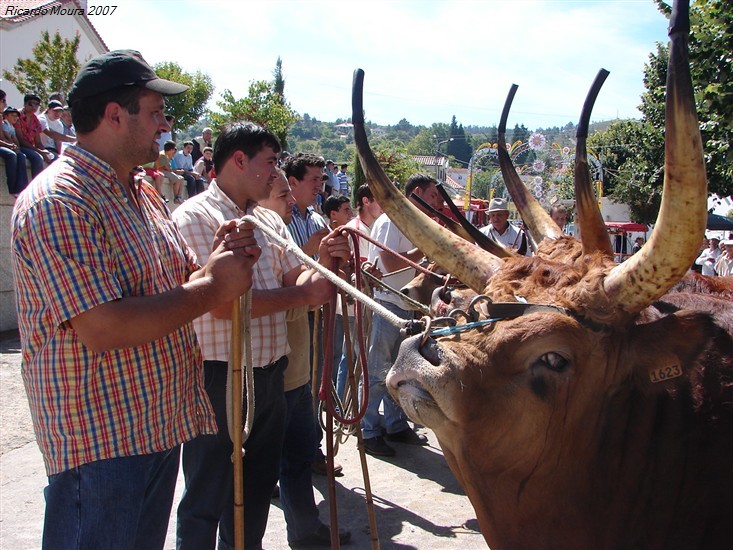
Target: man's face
{"type": "Point", "coordinates": [207, 136]}
{"type": "Point", "coordinates": [260, 172]}
{"type": "Point", "coordinates": [144, 128]}
{"type": "Point", "coordinates": [53, 114]}
{"type": "Point", "coordinates": [66, 117]}
{"type": "Point", "coordinates": [559, 217]}
{"type": "Point", "coordinates": [31, 106]}
{"type": "Point", "coordinates": [342, 215]}
{"type": "Point", "coordinates": [281, 198]}
{"type": "Point", "coordinates": [187, 149]}
{"type": "Point", "coordinates": [430, 195]}
{"type": "Point", "coordinates": [714, 244]}
{"type": "Point", "coordinates": [372, 208]}
{"type": "Point", "coordinates": [208, 155]}
{"type": "Point", "coordinates": [306, 190]}
{"type": "Point", "coordinates": [12, 118]}
{"type": "Point", "coordinates": [499, 220]}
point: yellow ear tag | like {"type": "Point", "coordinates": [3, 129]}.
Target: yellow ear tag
{"type": "Point", "coordinates": [662, 374]}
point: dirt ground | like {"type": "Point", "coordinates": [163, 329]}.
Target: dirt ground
{"type": "Point", "coordinates": [418, 502]}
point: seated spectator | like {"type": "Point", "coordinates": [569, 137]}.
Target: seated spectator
{"type": "Point", "coordinates": [28, 130]}
{"type": "Point", "coordinates": [183, 164]}
{"type": "Point", "coordinates": [15, 170]}
{"type": "Point", "coordinates": [724, 263]}
{"type": "Point", "coordinates": [52, 133]}
{"type": "Point", "coordinates": [157, 177]}
{"type": "Point", "coordinates": [202, 142]}
{"type": "Point", "coordinates": [68, 125]}
{"type": "Point", "coordinates": [204, 167]}
{"type": "Point", "coordinates": [163, 164]}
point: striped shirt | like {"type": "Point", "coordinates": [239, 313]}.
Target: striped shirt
{"type": "Point", "coordinates": [198, 219]}
{"type": "Point", "coordinates": [303, 226]}
{"type": "Point", "coordinates": [76, 244]}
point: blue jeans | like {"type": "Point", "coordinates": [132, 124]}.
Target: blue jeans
{"type": "Point", "coordinates": [118, 503]}
{"type": "Point", "coordinates": [299, 452]}
{"type": "Point", "coordinates": [208, 500]}
{"type": "Point", "coordinates": [15, 169]}
{"type": "Point", "coordinates": [36, 160]}
{"type": "Point", "coordinates": [383, 347]}
{"type": "Point", "coordinates": [194, 186]}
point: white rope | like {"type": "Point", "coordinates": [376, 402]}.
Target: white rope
{"type": "Point", "coordinates": [291, 246]}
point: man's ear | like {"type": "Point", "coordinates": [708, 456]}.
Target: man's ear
{"type": "Point", "coordinates": [113, 113]}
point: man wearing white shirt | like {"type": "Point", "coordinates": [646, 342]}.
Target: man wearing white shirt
{"type": "Point", "coordinates": [501, 231]}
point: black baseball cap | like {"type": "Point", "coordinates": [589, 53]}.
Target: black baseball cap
{"type": "Point", "coordinates": [119, 68]}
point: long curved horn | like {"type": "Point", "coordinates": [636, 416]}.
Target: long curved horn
{"type": "Point", "coordinates": [593, 232]}
{"type": "Point", "coordinates": [673, 246]}
{"type": "Point", "coordinates": [538, 221]}
{"type": "Point", "coordinates": [472, 265]}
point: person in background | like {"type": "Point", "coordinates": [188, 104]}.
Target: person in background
{"type": "Point", "coordinates": [202, 142]}
{"type": "Point", "coordinates": [709, 256]}
{"type": "Point", "coordinates": [501, 231]}
{"type": "Point", "coordinates": [52, 135]}
{"type": "Point", "coordinates": [28, 130]}
{"type": "Point", "coordinates": [163, 165]}
{"type": "Point", "coordinates": [15, 167]}
{"type": "Point", "coordinates": [559, 215]}
{"type": "Point", "coordinates": [204, 167]}
{"type": "Point", "coordinates": [182, 162]}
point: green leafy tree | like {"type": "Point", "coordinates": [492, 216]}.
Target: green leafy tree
{"type": "Point", "coordinates": [190, 106]}
{"type": "Point", "coordinates": [393, 158]}
{"type": "Point", "coordinates": [278, 78]}
{"type": "Point", "coordinates": [53, 68]}
{"type": "Point", "coordinates": [263, 106]}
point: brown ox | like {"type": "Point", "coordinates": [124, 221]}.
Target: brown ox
{"type": "Point", "coordinates": [602, 417]}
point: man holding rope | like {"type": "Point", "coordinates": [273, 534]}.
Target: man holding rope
{"type": "Point", "coordinates": [385, 338]}
{"type": "Point", "coordinates": [107, 289]}
{"type": "Point", "coordinates": [245, 160]}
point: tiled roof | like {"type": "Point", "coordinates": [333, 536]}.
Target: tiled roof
{"type": "Point", "coordinates": [19, 11]}
{"type": "Point", "coordinates": [450, 182]}
{"type": "Point", "coordinates": [429, 160]}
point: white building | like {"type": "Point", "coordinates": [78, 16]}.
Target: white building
{"type": "Point", "coordinates": [23, 21]}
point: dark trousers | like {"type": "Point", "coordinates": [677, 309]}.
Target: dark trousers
{"type": "Point", "coordinates": [193, 186]}
{"type": "Point", "coordinates": [299, 450]}
{"type": "Point", "coordinates": [120, 503]}
{"type": "Point", "coordinates": [208, 499]}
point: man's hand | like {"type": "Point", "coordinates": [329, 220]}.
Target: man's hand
{"type": "Point", "coordinates": [313, 244]}
{"type": "Point", "coordinates": [333, 245]}
{"type": "Point", "coordinates": [235, 252]}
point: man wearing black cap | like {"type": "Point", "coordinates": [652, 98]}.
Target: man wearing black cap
{"type": "Point", "coordinates": [106, 291]}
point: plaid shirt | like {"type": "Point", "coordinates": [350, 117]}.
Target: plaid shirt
{"type": "Point", "coordinates": [198, 219]}
{"type": "Point", "coordinates": [77, 244]}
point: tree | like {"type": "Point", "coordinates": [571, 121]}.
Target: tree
{"type": "Point", "coordinates": [189, 106]}
{"type": "Point", "coordinates": [279, 80]}
{"type": "Point", "coordinates": [393, 158]}
{"type": "Point", "coordinates": [53, 68]}
{"type": "Point", "coordinates": [263, 106]}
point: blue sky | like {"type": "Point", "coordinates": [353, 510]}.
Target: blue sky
{"type": "Point", "coordinates": [424, 60]}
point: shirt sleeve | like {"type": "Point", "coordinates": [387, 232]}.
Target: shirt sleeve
{"type": "Point", "coordinates": [64, 246]}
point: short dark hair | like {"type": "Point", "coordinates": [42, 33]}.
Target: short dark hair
{"type": "Point", "coordinates": [3, 95]}
{"type": "Point", "coordinates": [188, 142]}
{"type": "Point", "coordinates": [297, 166]}
{"type": "Point", "coordinates": [168, 145]}
{"type": "Point", "coordinates": [332, 204]}
{"type": "Point", "coordinates": [421, 180]}
{"type": "Point", "coordinates": [88, 113]}
{"type": "Point", "coordinates": [344, 166]}
{"type": "Point", "coordinates": [362, 192]}
{"type": "Point", "coordinates": [31, 97]}
{"type": "Point", "coordinates": [247, 137]}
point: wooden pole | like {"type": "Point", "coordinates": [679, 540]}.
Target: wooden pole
{"type": "Point", "coordinates": [237, 424]}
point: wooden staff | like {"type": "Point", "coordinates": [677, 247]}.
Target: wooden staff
{"type": "Point", "coordinates": [236, 366]}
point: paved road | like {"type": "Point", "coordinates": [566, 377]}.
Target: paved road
{"type": "Point", "coordinates": [418, 502]}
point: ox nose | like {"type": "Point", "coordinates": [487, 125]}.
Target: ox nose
{"type": "Point", "coordinates": [430, 350]}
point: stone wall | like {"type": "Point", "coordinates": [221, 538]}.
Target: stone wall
{"type": "Point", "coordinates": [8, 315]}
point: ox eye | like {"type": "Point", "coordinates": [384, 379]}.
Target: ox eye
{"type": "Point", "coordinates": [554, 361]}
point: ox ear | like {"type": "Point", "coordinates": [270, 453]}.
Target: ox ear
{"type": "Point", "coordinates": [665, 350]}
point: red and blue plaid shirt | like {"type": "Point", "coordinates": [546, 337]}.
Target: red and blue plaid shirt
{"type": "Point", "coordinates": [77, 244]}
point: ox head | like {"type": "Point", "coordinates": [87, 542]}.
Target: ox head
{"type": "Point", "coordinates": [517, 402]}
